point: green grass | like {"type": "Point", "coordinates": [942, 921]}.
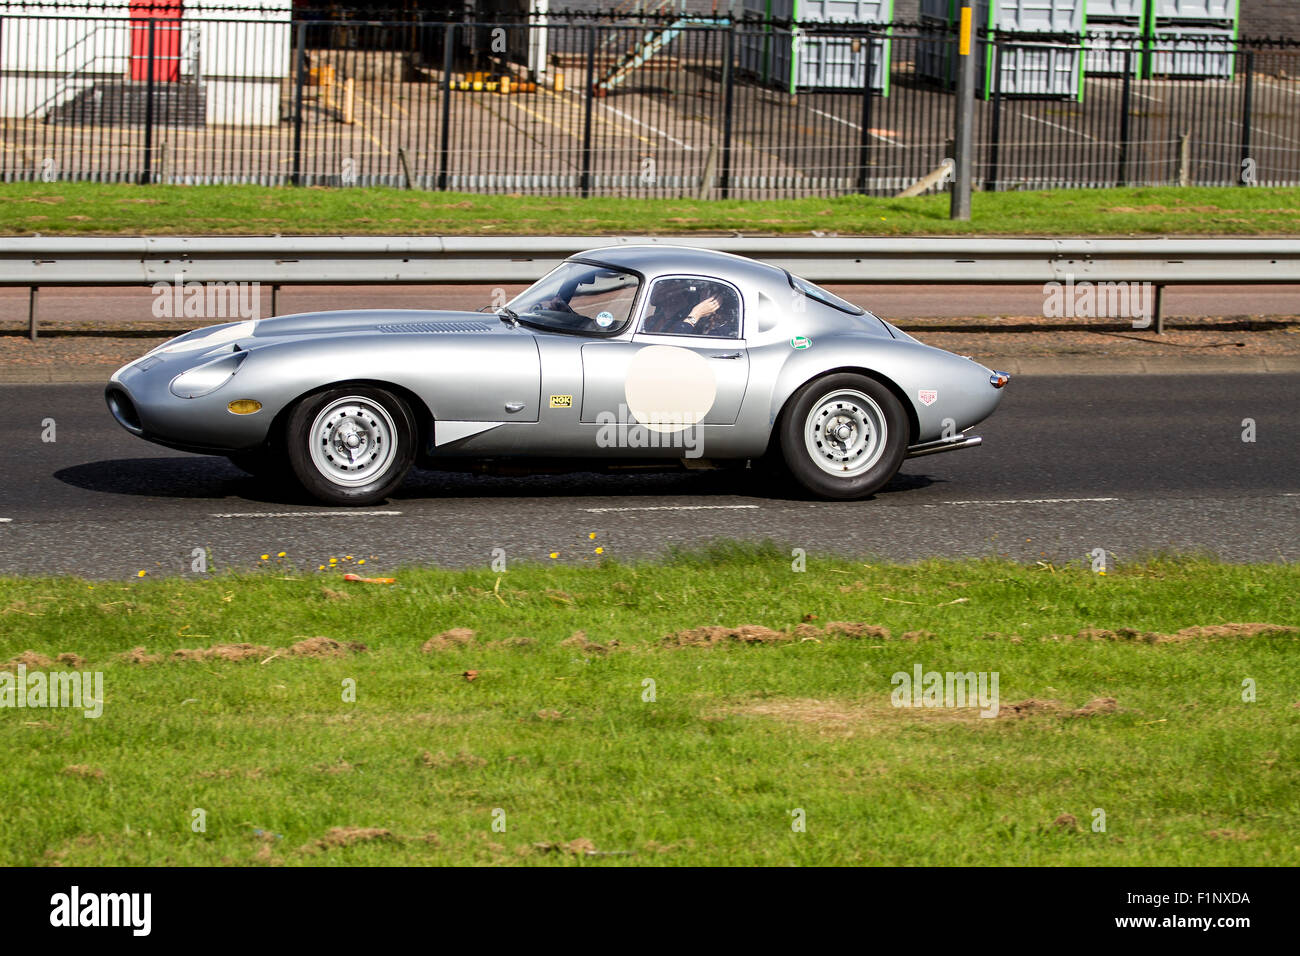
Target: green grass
{"type": "Point", "coordinates": [560, 738]}
{"type": "Point", "coordinates": [116, 209]}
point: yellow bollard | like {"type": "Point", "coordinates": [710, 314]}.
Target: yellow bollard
{"type": "Point", "coordinates": [505, 84]}
{"type": "Point", "coordinates": [559, 82]}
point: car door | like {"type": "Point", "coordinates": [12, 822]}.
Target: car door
{"type": "Point", "coordinates": [672, 370]}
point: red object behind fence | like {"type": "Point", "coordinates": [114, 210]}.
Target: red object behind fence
{"type": "Point", "coordinates": [166, 39]}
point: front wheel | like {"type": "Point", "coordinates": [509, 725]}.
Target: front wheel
{"type": "Point", "coordinates": [844, 436]}
{"type": "Point", "coordinates": [351, 445]}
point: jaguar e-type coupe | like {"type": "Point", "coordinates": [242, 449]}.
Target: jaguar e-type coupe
{"type": "Point", "coordinates": [644, 355]}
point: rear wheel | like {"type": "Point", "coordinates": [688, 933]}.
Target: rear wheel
{"type": "Point", "coordinates": [844, 436]}
{"type": "Point", "coordinates": [351, 445]}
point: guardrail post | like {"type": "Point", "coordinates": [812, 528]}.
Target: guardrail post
{"type": "Point", "coordinates": [585, 181]}
{"type": "Point", "coordinates": [444, 148]}
{"type": "Point", "coordinates": [1246, 110]}
{"type": "Point", "coordinates": [275, 299]}
{"type": "Point", "coordinates": [33, 293]}
{"type": "Point", "coordinates": [728, 88]}
{"type": "Point", "coordinates": [1124, 109]}
{"type": "Point", "coordinates": [147, 175]}
{"type": "Point", "coordinates": [864, 140]}
{"type": "Point", "coordinates": [1159, 308]}
{"type": "Point", "coordinates": [300, 74]}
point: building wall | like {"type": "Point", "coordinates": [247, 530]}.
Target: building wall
{"type": "Point", "coordinates": [1270, 18]}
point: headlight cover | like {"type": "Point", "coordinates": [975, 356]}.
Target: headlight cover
{"type": "Point", "coordinates": [209, 337]}
{"type": "Point", "coordinates": [207, 377]}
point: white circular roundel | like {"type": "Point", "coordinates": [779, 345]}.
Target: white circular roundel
{"type": "Point", "coordinates": [669, 388]}
{"type": "Point", "coordinates": [605, 319]}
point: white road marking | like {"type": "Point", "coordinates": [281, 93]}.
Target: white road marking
{"type": "Point", "coordinates": [5, 520]}
{"type": "Point", "coordinates": [872, 133]}
{"type": "Point", "coordinates": [653, 129]}
{"type": "Point", "coordinates": [597, 511]}
{"type": "Point", "coordinates": [1075, 132]}
{"type": "Point", "coordinates": [304, 514]}
{"type": "Point", "coordinates": [1028, 501]}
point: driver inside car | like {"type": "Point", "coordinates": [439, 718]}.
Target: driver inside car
{"type": "Point", "coordinates": [690, 307]}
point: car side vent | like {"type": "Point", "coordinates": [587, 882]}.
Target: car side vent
{"type": "Point", "coordinates": [408, 327]}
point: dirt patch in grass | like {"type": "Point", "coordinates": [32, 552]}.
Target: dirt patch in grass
{"type": "Point", "coordinates": [442, 761]}
{"type": "Point", "coordinates": [222, 652]}
{"type": "Point", "coordinates": [1196, 633]}
{"type": "Point", "coordinates": [456, 637]}
{"type": "Point", "coordinates": [578, 847]}
{"type": "Point", "coordinates": [326, 647]}
{"type": "Point", "coordinates": [578, 639]}
{"type": "Point", "coordinates": [712, 635]}
{"type": "Point", "coordinates": [33, 660]}
{"type": "Point", "coordinates": [1228, 835]}
{"type": "Point", "coordinates": [308, 647]}
{"type": "Point", "coordinates": [83, 770]}
{"type": "Point", "coordinates": [852, 717]}
{"type": "Point", "coordinates": [347, 836]}
{"type": "Point", "coordinates": [709, 636]}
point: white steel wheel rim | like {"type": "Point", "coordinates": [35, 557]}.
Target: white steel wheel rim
{"type": "Point", "coordinates": [353, 441]}
{"type": "Point", "coordinates": [845, 433]}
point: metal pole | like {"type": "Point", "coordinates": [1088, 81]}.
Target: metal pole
{"type": "Point", "coordinates": [444, 150]}
{"type": "Point", "coordinates": [32, 295]}
{"type": "Point", "coordinates": [1124, 111]}
{"type": "Point", "coordinates": [728, 86]}
{"type": "Point", "coordinates": [995, 131]}
{"type": "Point", "coordinates": [864, 140]}
{"type": "Point", "coordinates": [300, 71]}
{"type": "Point", "coordinates": [586, 122]}
{"type": "Point", "coordinates": [960, 206]}
{"type": "Point", "coordinates": [1247, 107]}
{"type": "Point", "coordinates": [147, 176]}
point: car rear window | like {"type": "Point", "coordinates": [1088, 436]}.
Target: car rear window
{"type": "Point", "coordinates": [814, 291]}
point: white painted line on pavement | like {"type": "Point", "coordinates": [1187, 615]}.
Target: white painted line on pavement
{"type": "Point", "coordinates": [1029, 501]}
{"type": "Point", "coordinates": [5, 520]}
{"type": "Point", "coordinates": [871, 132]}
{"type": "Point", "coordinates": [632, 119]}
{"type": "Point", "coordinates": [304, 514]}
{"type": "Point", "coordinates": [597, 511]}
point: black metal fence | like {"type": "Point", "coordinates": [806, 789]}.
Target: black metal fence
{"type": "Point", "coordinates": [662, 107]}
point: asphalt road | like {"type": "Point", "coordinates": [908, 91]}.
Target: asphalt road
{"type": "Point", "coordinates": [1130, 464]}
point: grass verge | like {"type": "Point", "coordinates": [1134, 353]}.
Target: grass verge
{"type": "Point", "coordinates": [551, 732]}
{"type": "Point", "coordinates": [118, 209]}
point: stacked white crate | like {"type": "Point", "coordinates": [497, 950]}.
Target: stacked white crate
{"type": "Point", "coordinates": [1050, 68]}
{"type": "Point", "coordinates": [794, 60]}
{"type": "Point", "coordinates": [1115, 27]}
{"type": "Point", "coordinates": [1192, 38]}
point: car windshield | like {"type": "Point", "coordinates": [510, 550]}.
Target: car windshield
{"type": "Point", "coordinates": [821, 295]}
{"type": "Point", "coordinates": [580, 298]}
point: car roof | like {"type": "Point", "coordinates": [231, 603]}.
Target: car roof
{"type": "Point", "coordinates": [659, 260]}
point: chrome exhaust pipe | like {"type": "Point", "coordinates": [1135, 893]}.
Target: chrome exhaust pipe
{"type": "Point", "coordinates": [942, 445]}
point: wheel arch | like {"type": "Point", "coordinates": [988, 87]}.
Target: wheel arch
{"type": "Point", "coordinates": [419, 409]}
{"type": "Point", "coordinates": [913, 420]}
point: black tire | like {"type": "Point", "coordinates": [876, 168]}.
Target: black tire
{"type": "Point", "coordinates": [855, 464]}
{"type": "Point", "coordinates": [318, 432]}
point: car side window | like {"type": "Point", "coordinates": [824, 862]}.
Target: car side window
{"type": "Point", "coordinates": [692, 306]}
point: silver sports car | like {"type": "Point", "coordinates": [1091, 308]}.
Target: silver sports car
{"type": "Point", "coordinates": [630, 354]}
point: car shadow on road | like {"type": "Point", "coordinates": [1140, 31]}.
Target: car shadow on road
{"type": "Point", "coordinates": [193, 477]}
{"type": "Point", "coordinates": [214, 478]}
